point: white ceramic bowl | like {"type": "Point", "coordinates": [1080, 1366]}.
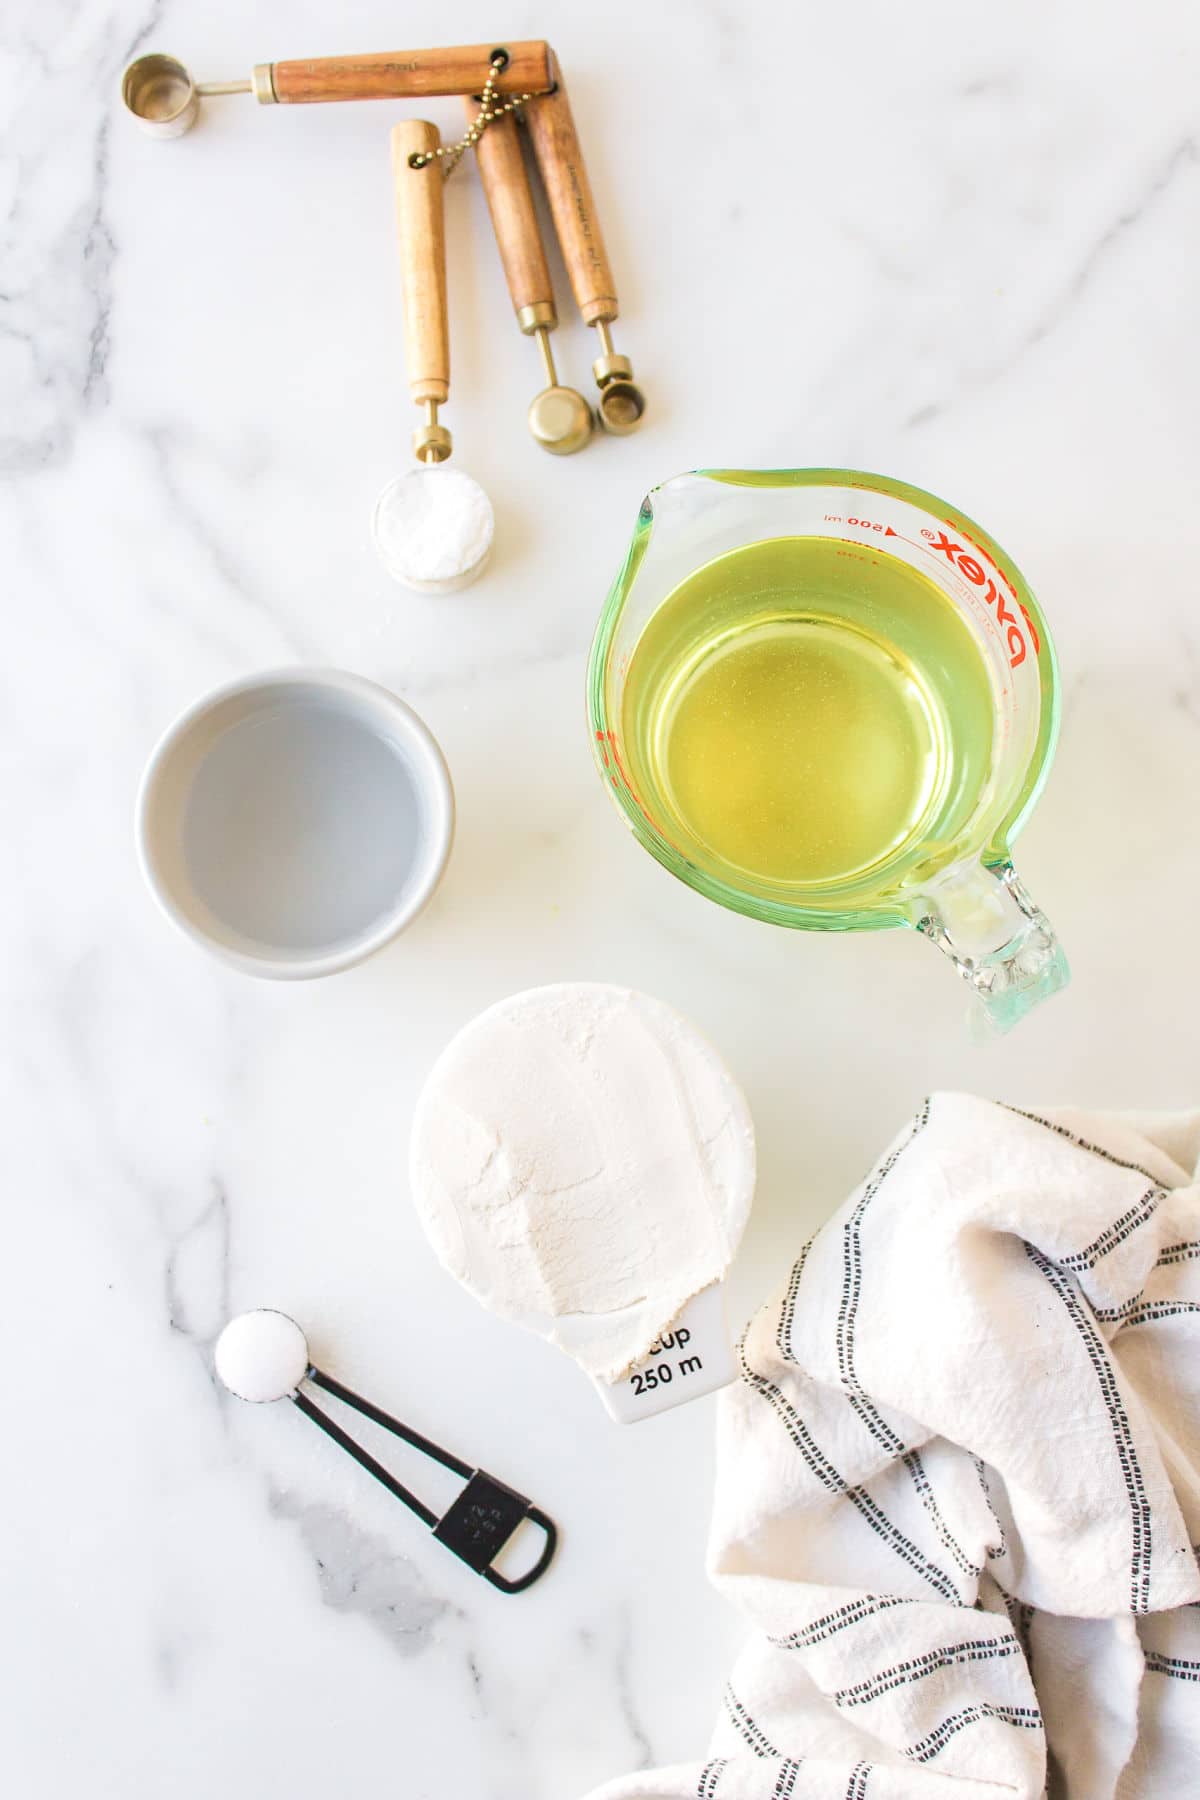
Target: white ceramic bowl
{"type": "Point", "coordinates": [295, 822]}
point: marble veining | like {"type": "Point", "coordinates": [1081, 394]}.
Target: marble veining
{"type": "Point", "coordinates": [361, 1573]}
{"type": "Point", "coordinates": [854, 235]}
{"type": "Point", "coordinates": [1178, 163]}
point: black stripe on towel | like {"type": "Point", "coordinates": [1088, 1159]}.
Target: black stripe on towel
{"type": "Point", "coordinates": [852, 1268]}
{"type": "Point", "coordinates": [1135, 1488]}
{"type": "Point", "coordinates": [1160, 1309]}
{"type": "Point", "coordinates": [1139, 1214]}
{"type": "Point", "coordinates": [917, 1667]}
{"type": "Point", "coordinates": [1000, 1551]}
{"type": "Point", "coordinates": [1181, 1667]}
{"type": "Point", "coordinates": [829, 1478]}
{"type": "Point", "coordinates": [710, 1774]}
{"type": "Point", "coordinates": [858, 1781]}
{"type": "Point", "coordinates": [830, 1623]}
{"type": "Point", "coordinates": [1116, 1315]}
{"type": "Point", "coordinates": [920, 1480]}
{"type": "Point", "coordinates": [785, 1787]}
{"type": "Point", "coordinates": [1021, 1718]}
{"type": "Point", "coordinates": [787, 1312]}
{"type": "Point", "coordinates": [757, 1739]}
{"type": "Point", "coordinates": [1173, 1255]}
{"type": "Point", "coordinates": [1079, 1143]}
{"type": "Point", "coordinates": [1020, 1617]}
{"type": "Point", "coordinates": [1177, 1253]}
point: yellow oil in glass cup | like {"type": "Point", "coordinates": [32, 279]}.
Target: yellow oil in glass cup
{"type": "Point", "coordinates": [829, 700]}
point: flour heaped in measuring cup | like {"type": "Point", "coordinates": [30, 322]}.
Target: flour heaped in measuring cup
{"type": "Point", "coordinates": [583, 1163]}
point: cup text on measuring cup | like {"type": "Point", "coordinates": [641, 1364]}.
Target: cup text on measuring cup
{"type": "Point", "coordinates": [974, 572]}
{"type": "Point", "coordinates": [662, 1373]}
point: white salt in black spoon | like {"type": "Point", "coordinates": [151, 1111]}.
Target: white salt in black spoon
{"type": "Point", "coordinates": [263, 1355]}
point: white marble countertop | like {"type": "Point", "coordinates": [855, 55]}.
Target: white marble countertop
{"type": "Point", "coordinates": [953, 246]}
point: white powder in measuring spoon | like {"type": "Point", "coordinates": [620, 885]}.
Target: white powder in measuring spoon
{"type": "Point", "coordinates": [583, 1162]}
{"type": "Point", "coordinates": [433, 529]}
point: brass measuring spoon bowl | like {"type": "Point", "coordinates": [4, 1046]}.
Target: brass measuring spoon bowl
{"type": "Point", "coordinates": [160, 96]}
{"type": "Point", "coordinates": [560, 419]}
{"type": "Point", "coordinates": [622, 402]}
{"type": "Point", "coordinates": [621, 406]}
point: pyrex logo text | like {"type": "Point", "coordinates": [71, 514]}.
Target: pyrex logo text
{"type": "Point", "coordinates": [974, 572]}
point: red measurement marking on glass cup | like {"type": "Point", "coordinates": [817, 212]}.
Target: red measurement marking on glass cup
{"type": "Point", "coordinates": [614, 768]}
{"type": "Point", "coordinates": [1009, 584]}
{"type": "Point", "coordinates": [972, 570]}
{"type": "Point", "coordinates": [863, 524]}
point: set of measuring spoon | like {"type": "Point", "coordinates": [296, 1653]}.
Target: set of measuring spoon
{"type": "Point", "coordinates": [432, 527]}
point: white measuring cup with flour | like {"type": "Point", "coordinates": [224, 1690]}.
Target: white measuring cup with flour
{"type": "Point", "coordinates": [583, 1163]}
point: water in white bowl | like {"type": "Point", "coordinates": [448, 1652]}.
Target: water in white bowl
{"type": "Point", "coordinates": [302, 826]}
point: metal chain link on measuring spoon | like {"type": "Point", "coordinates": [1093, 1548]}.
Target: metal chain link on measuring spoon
{"type": "Point", "coordinates": [560, 419]}
{"type": "Point", "coordinates": [452, 154]}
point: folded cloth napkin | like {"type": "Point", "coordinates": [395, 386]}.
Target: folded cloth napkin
{"type": "Point", "coordinates": [958, 1488]}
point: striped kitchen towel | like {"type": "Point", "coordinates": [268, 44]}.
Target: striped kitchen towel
{"type": "Point", "coordinates": [958, 1491]}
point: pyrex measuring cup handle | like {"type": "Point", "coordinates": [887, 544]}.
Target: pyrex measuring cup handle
{"type": "Point", "coordinates": [998, 938]}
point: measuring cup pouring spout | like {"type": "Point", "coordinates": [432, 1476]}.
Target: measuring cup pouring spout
{"type": "Point", "coordinates": [829, 700]}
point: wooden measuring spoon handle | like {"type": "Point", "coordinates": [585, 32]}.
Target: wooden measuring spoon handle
{"type": "Point", "coordinates": [394, 74]}
{"type": "Point", "coordinates": [420, 226]}
{"type": "Point", "coordinates": [514, 221]}
{"type": "Point", "coordinates": [564, 176]}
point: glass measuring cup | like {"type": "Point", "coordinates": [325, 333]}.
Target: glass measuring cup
{"type": "Point", "coordinates": [951, 877]}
